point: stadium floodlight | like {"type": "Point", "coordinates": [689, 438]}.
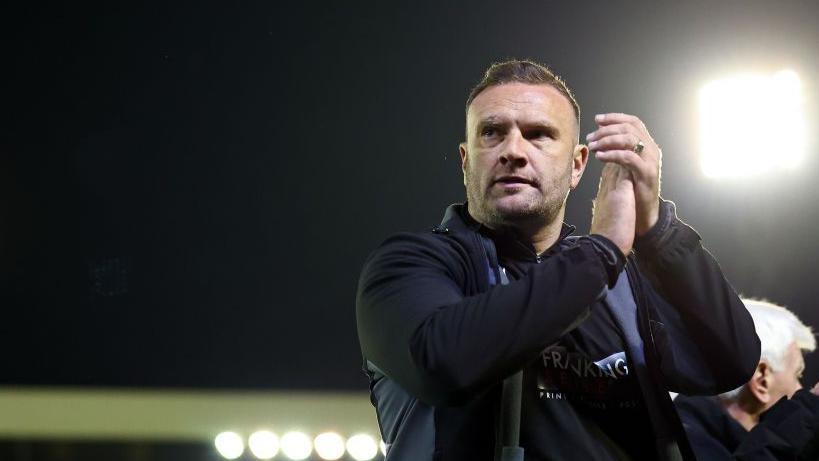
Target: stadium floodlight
{"type": "Point", "coordinates": [362, 447]}
{"type": "Point", "coordinates": [751, 124]}
{"type": "Point", "coordinates": [229, 444]}
{"type": "Point", "coordinates": [263, 444]}
{"type": "Point", "coordinates": [329, 446]}
{"type": "Point", "coordinates": [296, 445]}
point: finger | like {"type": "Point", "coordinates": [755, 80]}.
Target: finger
{"type": "Point", "coordinates": [607, 130]}
{"type": "Point", "coordinates": [616, 117]}
{"type": "Point", "coordinates": [615, 142]}
{"type": "Point", "coordinates": [625, 158]}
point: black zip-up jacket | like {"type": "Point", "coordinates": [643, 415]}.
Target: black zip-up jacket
{"type": "Point", "coordinates": [439, 334]}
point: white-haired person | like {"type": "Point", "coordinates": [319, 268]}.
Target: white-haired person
{"type": "Point", "coordinates": [769, 417]}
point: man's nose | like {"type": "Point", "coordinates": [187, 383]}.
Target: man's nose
{"type": "Point", "coordinates": [514, 150]}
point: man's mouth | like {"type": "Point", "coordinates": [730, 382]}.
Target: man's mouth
{"type": "Point", "coordinates": [512, 180]}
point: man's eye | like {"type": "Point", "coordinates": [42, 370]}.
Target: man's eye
{"type": "Point", "coordinates": [489, 132]}
{"type": "Point", "coordinates": [538, 134]}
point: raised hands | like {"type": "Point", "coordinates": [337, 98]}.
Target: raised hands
{"type": "Point", "coordinates": [623, 140]}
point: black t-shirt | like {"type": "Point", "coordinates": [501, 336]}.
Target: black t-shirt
{"type": "Point", "coordinates": [580, 398]}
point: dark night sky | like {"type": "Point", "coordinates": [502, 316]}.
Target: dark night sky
{"type": "Point", "coordinates": [187, 193]}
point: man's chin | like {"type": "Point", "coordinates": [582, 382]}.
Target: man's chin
{"type": "Point", "coordinates": [521, 210]}
{"type": "Point", "coordinates": [513, 212]}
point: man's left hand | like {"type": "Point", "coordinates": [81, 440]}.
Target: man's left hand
{"type": "Point", "coordinates": [616, 140]}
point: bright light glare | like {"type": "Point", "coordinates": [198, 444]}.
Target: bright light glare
{"type": "Point", "coordinates": [263, 444]}
{"type": "Point", "coordinates": [296, 445]}
{"type": "Point", "coordinates": [329, 445]}
{"type": "Point", "coordinates": [383, 447]}
{"type": "Point", "coordinates": [229, 444]}
{"type": "Point", "coordinates": [751, 124]}
{"type": "Point", "coordinates": [362, 447]}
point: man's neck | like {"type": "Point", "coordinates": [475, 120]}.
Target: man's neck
{"type": "Point", "coordinates": [544, 237]}
{"type": "Point", "coordinates": [747, 419]}
{"type": "Point", "coordinates": [541, 235]}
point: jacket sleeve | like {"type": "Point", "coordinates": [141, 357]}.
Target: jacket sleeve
{"type": "Point", "coordinates": [416, 325]}
{"type": "Point", "coordinates": [703, 335]}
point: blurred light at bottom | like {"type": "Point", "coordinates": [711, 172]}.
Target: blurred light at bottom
{"type": "Point", "coordinates": [296, 445]}
{"type": "Point", "coordinates": [362, 447]}
{"type": "Point", "coordinates": [329, 446]}
{"type": "Point", "coordinates": [263, 444]}
{"type": "Point", "coordinates": [229, 444]}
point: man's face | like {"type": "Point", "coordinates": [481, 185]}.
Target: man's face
{"type": "Point", "coordinates": [785, 381]}
{"type": "Point", "coordinates": [521, 156]}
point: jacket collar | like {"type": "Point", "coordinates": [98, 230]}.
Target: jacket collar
{"type": "Point", "coordinates": [458, 219]}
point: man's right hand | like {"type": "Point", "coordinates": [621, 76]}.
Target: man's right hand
{"type": "Point", "coordinates": [614, 215]}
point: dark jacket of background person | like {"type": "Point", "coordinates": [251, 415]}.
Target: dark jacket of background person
{"type": "Point", "coordinates": [788, 431]}
{"type": "Point", "coordinates": [439, 333]}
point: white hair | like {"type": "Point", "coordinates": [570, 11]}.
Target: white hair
{"type": "Point", "coordinates": [777, 328]}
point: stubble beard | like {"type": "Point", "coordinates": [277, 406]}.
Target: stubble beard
{"type": "Point", "coordinates": [535, 213]}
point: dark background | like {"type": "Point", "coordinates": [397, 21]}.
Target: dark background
{"type": "Point", "coordinates": [188, 191]}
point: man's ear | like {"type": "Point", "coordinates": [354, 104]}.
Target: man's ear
{"type": "Point", "coordinates": [462, 150]}
{"type": "Point", "coordinates": [760, 383]}
{"type": "Point", "coordinates": [580, 158]}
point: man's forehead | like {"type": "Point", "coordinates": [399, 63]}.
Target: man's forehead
{"type": "Point", "coordinates": [521, 98]}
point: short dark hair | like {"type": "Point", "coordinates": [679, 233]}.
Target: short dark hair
{"type": "Point", "coordinates": [523, 71]}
